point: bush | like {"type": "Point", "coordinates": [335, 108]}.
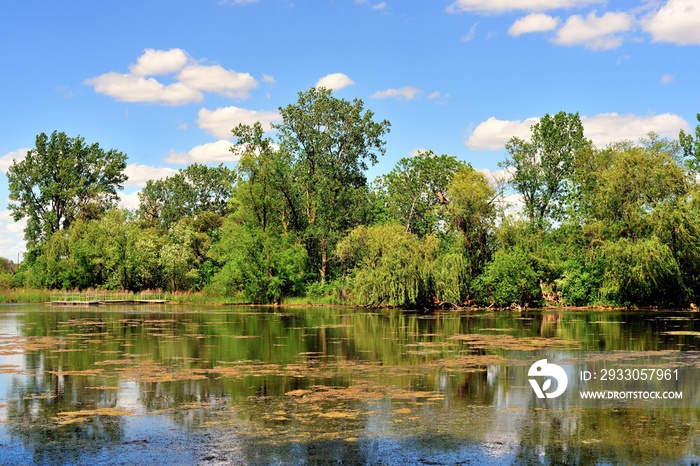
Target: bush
{"type": "Point", "coordinates": [508, 279]}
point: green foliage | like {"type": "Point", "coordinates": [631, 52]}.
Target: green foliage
{"type": "Point", "coordinates": [472, 213]}
{"type": "Point", "coordinates": [417, 190]}
{"type": "Point", "coordinates": [329, 143]}
{"type": "Point", "coordinates": [691, 147]}
{"type": "Point", "coordinates": [60, 180]}
{"type": "Point", "coordinates": [196, 190]}
{"type": "Point", "coordinates": [542, 166]}
{"type": "Point", "coordinates": [387, 265]}
{"type": "Point", "coordinates": [262, 266]}
{"type": "Point", "coordinates": [508, 279]}
{"type": "Point", "coordinates": [635, 271]}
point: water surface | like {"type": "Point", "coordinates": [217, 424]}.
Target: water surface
{"type": "Point", "coordinates": [184, 385]}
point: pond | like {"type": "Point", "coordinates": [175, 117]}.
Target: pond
{"type": "Point", "coordinates": [244, 385]}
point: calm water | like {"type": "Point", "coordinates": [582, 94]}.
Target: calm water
{"type": "Point", "coordinates": [176, 385]}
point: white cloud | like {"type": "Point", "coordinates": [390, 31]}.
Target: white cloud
{"type": "Point", "coordinates": [216, 79]}
{"type": "Point", "coordinates": [7, 159]}
{"type": "Point", "coordinates": [155, 62]}
{"type": "Point", "coordinates": [129, 88]}
{"type": "Point", "coordinates": [381, 6]}
{"type": "Point", "coordinates": [667, 79]}
{"type": "Point", "coordinates": [268, 79]}
{"type": "Point", "coordinates": [335, 81]}
{"type": "Point", "coordinates": [212, 152]}
{"type": "Point", "coordinates": [535, 22]}
{"type": "Point", "coordinates": [501, 6]}
{"type": "Point", "coordinates": [605, 128]}
{"type": "Point", "coordinates": [493, 134]}
{"type": "Point", "coordinates": [139, 174]}
{"type": "Point", "coordinates": [129, 201]}
{"type": "Point", "coordinates": [406, 93]}
{"type": "Point", "coordinates": [221, 121]}
{"type": "Point", "coordinates": [416, 152]}
{"type": "Point", "coordinates": [11, 235]}
{"type": "Point", "coordinates": [595, 33]}
{"type": "Point", "coordinates": [602, 129]}
{"type": "Point", "coordinates": [191, 81]}
{"type": "Point", "coordinates": [677, 22]}
{"type": "Point", "coordinates": [470, 34]}
{"type": "Point", "coordinates": [496, 178]}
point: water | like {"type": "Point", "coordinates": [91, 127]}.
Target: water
{"type": "Point", "coordinates": [187, 385]}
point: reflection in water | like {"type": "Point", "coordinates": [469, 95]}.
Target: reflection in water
{"type": "Point", "coordinates": [319, 385]}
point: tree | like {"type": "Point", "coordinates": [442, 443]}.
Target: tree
{"type": "Point", "coordinates": [195, 190]}
{"type": "Point", "coordinates": [542, 166]}
{"type": "Point", "coordinates": [329, 143]}
{"type": "Point", "coordinates": [691, 147]}
{"type": "Point", "coordinates": [417, 190]}
{"type": "Point", "coordinates": [472, 213]}
{"type": "Point", "coordinates": [61, 179]}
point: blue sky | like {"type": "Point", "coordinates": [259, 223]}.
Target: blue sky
{"type": "Point", "coordinates": [165, 81]}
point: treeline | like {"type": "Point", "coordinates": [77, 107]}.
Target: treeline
{"type": "Point", "coordinates": [296, 216]}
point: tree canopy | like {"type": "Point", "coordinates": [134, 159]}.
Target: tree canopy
{"type": "Point", "coordinates": [62, 179]}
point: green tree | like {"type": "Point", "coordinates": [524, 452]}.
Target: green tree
{"type": "Point", "coordinates": [691, 147]}
{"type": "Point", "coordinates": [60, 180]}
{"type": "Point", "coordinates": [417, 190]}
{"type": "Point", "coordinates": [472, 213]}
{"type": "Point", "coordinates": [330, 143]}
{"type": "Point", "coordinates": [192, 191]}
{"type": "Point", "coordinates": [388, 266]}
{"type": "Point", "coordinates": [542, 166]}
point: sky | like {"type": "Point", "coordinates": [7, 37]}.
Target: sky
{"type": "Point", "coordinates": [165, 81]}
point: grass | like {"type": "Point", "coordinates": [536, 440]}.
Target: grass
{"type": "Point", "coordinates": [24, 295]}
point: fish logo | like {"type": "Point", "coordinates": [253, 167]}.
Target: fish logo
{"type": "Point", "coordinates": [542, 368]}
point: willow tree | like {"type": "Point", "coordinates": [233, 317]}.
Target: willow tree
{"type": "Point", "coordinates": [60, 180]}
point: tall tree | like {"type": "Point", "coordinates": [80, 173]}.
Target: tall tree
{"type": "Point", "coordinates": [417, 189]}
{"type": "Point", "coordinates": [61, 179]}
{"type": "Point", "coordinates": [691, 147]}
{"type": "Point", "coordinates": [542, 166]}
{"type": "Point", "coordinates": [330, 143]}
{"type": "Point", "coordinates": [194, 190]}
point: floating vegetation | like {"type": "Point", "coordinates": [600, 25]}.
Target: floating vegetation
{"type": "Point", "coordinates": [72, 417]}
{"type": "Point", "coordinates": [688, 333]}
{"type": "Point", "coordinates": [511, 343]}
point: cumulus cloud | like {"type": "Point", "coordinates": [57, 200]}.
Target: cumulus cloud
{"type": "Point", "coordinates": [191, 81]}
{"type": "Point", "coordinates": [502, 6]}
{"type": "Point", "coordinates": [677, 22]}
{"type": "Point", "coordinates": [7, 159]}
{"type": "Point", "coordinates": [602, 129]}
{"type": "Point", "coordinates": [405, 93]}
{"type": "Point", "coordinates": [605, 128]}
{"type": "Point", "coordinates": [216, 79]}
{"type": "Point", "coordinates": [595, 32]}
{"type": "Point", "coordinates": [155, 62]}
{"type": "Point", "coordinates": [535, 22]}
{"type": "Point", "coordinates": [129, 200]}
{"type": "Point", "coordinates": [221, 121]}
{"type": "Point", "coordinates": [139, 174]}
{"type": "Point", "coordinates": [11, 235]}
{"type": "Point", "coordinates": [211, 152]}
{"type": "Point", "coordinates": [493, 134]}
{"type": "Point", "coordinates": [335, 81]}
{"type": "Point", "coordinates": [130, 88]}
